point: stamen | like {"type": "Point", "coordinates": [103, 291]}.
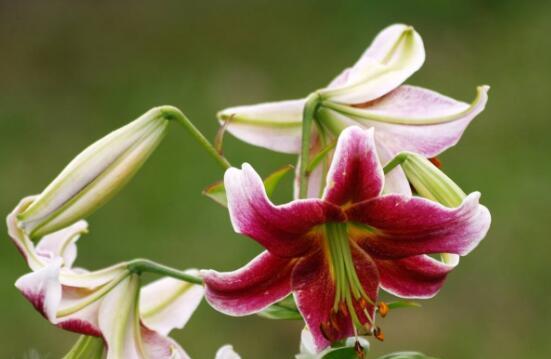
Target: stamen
{"type": "Point", "coordinates": [378, 333]}
{"type": "Point", "coordinates": [383, 309]}
{"type": "Point", "coordinates": [360, 352]}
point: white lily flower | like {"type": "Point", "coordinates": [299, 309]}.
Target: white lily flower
{"type": "Point", "coordinates": [96, 174]}
{"type": "Point", "coordinates": [107, 303]}
{"type": "Point", "coordinates": [368, 94]}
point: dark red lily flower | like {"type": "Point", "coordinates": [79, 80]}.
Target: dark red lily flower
{"type": "Point", "coordinates": [334, 253]}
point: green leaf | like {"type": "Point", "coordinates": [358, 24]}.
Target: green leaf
{"type": "Point", "coordinates": [403, 304]}
{"type": "Point", "coordinates": [217, 192]}
{"type": "Point", "coordinates": [342, 353]}
{"type": "Point", "coordinates": [283, 310]}
{"type": "Point", "coordinates": [406, 355]}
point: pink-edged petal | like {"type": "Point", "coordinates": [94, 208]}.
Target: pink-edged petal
{"type": "Point", "coordinates": [285, 230]}
{"type": "Point", "coordinates": [156, 346]}
{"type": "Point", "coordinates": [168, 303]}
{"type": "Point", "coordinates": [402, 226]}
{"type": "Point", "coordinates": [355, 174]}
{"type": "Point", "coordinates": [425, 121]}
{"type": "Point", "coordinates": [413, 277]}
{"type": "Point", "coordinates": [275, 125]}
{"type": "Point", "coordinates": [393, 56]}
{"type": "Point", "coordinates": [262, 282]}
{"type": "Point", "coordinates": [62, 243]}
{"type": "Point", "coordinates": [42, 289]}
{"type": "Point", "coordinates": [314, 292]}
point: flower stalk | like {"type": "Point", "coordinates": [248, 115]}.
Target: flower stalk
{"type": "Point", "coordinates": [311, 106]}
{"type": "Point", "coordinates": [140, 265]}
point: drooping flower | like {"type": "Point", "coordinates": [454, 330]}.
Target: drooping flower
{"type": "Point", "coordinates": [333, 253]}
{"type": "Point", "coordinates": [107, 303]}
{"type": "Point", "coordinates": [369, 94]}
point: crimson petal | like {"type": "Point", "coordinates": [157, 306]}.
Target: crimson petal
{"type": "Point", "coordinates": [413, 277]}
{"type": "Point", "coordinates": [407, 226]}
{"type": "Point", "coordinates": [355, 174]}
{"type": "Point", "coordinates": [285, 230]}
{"type": "Point", "coordinates": [262, 282]}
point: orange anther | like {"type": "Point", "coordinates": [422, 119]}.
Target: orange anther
{"type": "Point", "coordinates": [435, 161]}
{"type": "Point", "coordinates": [360, 352]}
{"type": "Point", "coordinates": [383, 309]}
{"type": "Point", "coordinates": [378, 333]}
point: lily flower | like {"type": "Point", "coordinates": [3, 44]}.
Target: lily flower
{"type": "Point", "coordinates": [106, 303]}
{"type": "Point", "coordinates": [334, 253]}
{"type": "Point", "coordinates": [369, 94]}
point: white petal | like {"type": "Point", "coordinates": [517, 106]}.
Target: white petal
{"type": "Point", "coordinates": [275, 125]}
{"type": "Point", "coordinates": [119, 323]}
{"type": "Point", "coordinates": [168, 303]}
{"type": "Point", "coordinates": [62, 243]}
{"type": "Point", "coordinates": [226, 352]}
{"type": "Point", "coordinates": [395, 54]}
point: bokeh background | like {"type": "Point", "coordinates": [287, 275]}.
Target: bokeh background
{"type": "Point", "coordinates": [72, 71]}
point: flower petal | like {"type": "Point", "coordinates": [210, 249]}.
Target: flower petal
{"type": "Point", "coordinates": [401, 226]}
{"type": "Point", "coordinates": [156, 346]}
{"type": "Point", "coordinates": [262, 282]}
{"type": "Point", "coordinates": [355, 173]}
{"type": "Point", "coordinates": [226, 352]}
{"type": "Point", "coordinates": [275, 125]}
{"type": "Point", "coordinates": [62, 243]}
{"type": "Point", "coordinates": [42, 289]}
{"type": "Point", "coordinates": [285, 230]}
{"type": "Point", "coordinates": [119, 322]}
{"type": "Point", "coordinates": [168, 303]}
{"type": "Point", "coordinates": [413, 277]}
{"type": "Point", "coordinates": [395, 54]}
{"type": "Point", "coordinates": [419, 120]}
{"type": "Point", "coordinates": [396, 180]}
{"type": "Point", "coordinates": [314, 292]}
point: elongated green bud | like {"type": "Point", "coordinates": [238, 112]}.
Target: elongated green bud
{"type": "Point", "coordinates": [97, 173]}
{"type": "Point", "coordinates": [429, 181]}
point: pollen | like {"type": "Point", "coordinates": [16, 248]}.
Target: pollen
{"type": "Point", "coordinates": [383, 309]}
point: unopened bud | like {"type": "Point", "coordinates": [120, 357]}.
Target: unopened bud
{"type": "Point", "coordinates": [96, 174]}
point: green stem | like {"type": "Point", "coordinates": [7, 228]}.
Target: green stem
{"type": "Point", "coordinates": [396, 161]}
{"type": "Point", "coordinates": [173, 113]}
{"type": "Point", "coordinates": [312, 103]}
{"type": "Point", "coordinates": [139, 266]}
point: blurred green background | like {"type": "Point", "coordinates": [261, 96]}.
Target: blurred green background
{"type": "Point", "coordinates": [72, 71]}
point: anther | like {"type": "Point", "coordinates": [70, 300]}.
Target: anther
{"type": "Point", "coordinates": [324, 328]}
{"type": "Point", "coordinates": [378, 333]}
{"type": "Point", "coordinates": [343, 309]}
{"type": "Point", "coordinates": [360, 352]}
{"type": "Point", "coordinates": [436, 161]}
{"type": "Point", "coordinates": [383, 309]}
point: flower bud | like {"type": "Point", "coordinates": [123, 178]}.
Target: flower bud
{"type": "Point", "coordinates": [96, 174]}
{"type": "Point", "coordinates": [430, 182]}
